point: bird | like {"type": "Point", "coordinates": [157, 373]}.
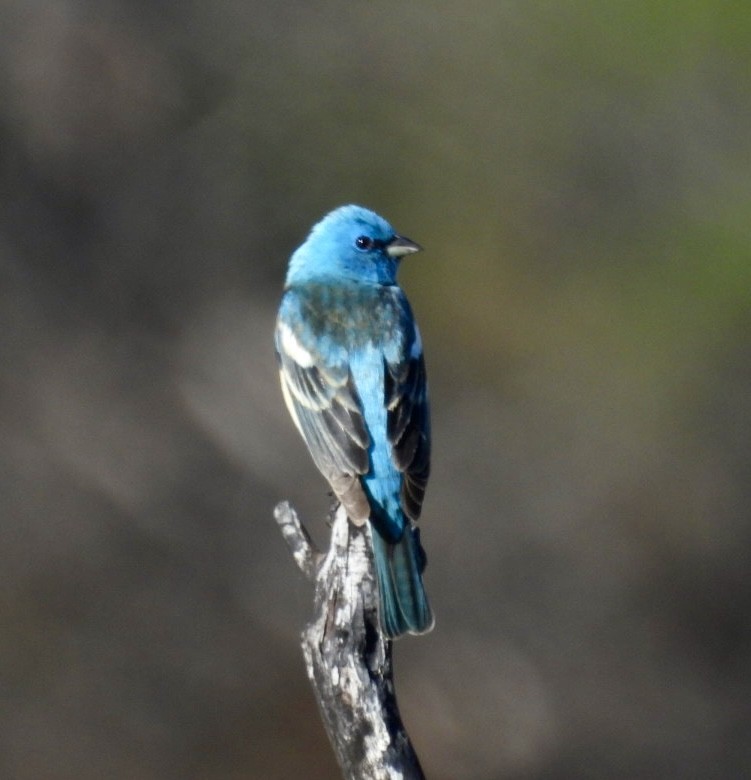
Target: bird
{"type": "Point", "coordinates": [353, 379]}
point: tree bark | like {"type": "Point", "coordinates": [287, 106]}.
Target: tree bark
{"type": "Point", "coordinates": [347, 658]}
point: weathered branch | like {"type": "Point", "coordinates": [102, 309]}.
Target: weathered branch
{"type": "Point", "coordinates": [347, 658]}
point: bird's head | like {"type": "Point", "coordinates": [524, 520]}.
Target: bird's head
{"type": "Point", "coordinates": [352, 244]}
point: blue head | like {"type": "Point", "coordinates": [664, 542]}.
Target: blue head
{"type": "Point", "coordinates": [350, 244]}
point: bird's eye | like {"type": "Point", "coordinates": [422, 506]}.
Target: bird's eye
{"type": "Point", "coordinates": [364, 242]}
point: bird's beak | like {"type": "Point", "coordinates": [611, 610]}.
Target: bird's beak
{"type": "Point", "coordinates": [400, 246]}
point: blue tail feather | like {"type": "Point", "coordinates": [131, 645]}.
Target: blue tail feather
{"type": "Point", "coordinates": [403, 603]}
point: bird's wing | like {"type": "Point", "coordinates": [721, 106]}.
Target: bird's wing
{"type": "Point", "coordinates": [408, 424]}
{"type": "Point", "coordinates": [325, 406]}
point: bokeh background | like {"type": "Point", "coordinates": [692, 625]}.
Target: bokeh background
{"type": "Point", "coordinates": [580, 176]}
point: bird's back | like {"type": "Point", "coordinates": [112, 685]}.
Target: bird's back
{"type": "Point", "coordinates": [363, 327]}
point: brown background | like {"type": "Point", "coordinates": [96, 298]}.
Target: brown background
{"type": "Point", "coordinates": [580, 178]}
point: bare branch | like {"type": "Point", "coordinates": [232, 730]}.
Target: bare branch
{"type": "Point", "coordinates": [307, 556]}
{"type": "Point", "coordinates": [347, 659]}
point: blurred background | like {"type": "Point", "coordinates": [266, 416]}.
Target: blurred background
{"type": "Point", "coordinates": [579, 174]}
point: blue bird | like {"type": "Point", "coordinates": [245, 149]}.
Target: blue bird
{"type": "Point", "coordinates": [353, 379]}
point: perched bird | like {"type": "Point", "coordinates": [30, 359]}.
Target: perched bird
{"type": "Point", "coordinates": [353, 379]}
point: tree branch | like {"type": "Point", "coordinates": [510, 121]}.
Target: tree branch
{"type": "Point", "coordinates": [347, 659]}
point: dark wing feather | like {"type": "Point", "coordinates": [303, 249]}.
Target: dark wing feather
{"type": "Point", "coordinates": [408, 428]}
{"type": "Point", "coordinates": [325, 405]}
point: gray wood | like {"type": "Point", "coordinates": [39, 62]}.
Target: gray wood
{"type": "Point", "coordinates": [347, 659]}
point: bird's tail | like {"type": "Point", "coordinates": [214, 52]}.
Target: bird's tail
{"type": "Point", "coordinates": [403, 604]}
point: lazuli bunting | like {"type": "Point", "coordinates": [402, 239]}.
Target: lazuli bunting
{"type": "Point", "coordinates": [353, 379]}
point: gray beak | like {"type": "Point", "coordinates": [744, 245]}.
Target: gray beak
{"type": "Point", "coordinates": [400, 246]}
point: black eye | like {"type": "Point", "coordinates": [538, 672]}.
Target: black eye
{"type": "Point", "coordinates": [364, 242]}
